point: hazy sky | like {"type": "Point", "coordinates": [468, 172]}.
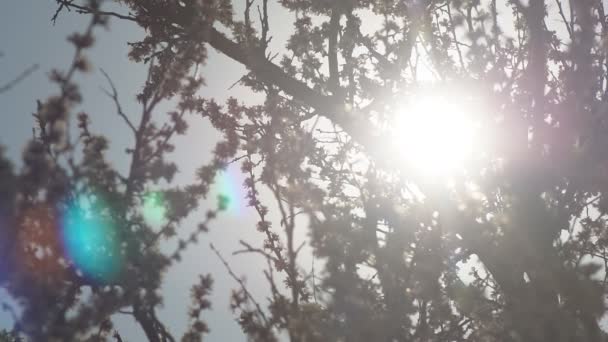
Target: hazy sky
{"type": "Point", "coordinates": [28, 37]}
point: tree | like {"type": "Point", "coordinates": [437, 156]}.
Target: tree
{"type": "Point", "coordinates": [530, 207]}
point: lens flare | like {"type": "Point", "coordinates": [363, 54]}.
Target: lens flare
{"type": "Point", "coordinates": [437, 134]}
{"type": "Point", "coordinates": [229, 185]}
{"type": "Point", "coordinates": [154, 208]}
{"type": "Point", "coordinates": [90, 239]}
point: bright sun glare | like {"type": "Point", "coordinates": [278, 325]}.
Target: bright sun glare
{"type": "Point", "coordinates": [436, 134]}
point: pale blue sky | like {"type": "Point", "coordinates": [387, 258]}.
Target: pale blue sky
{"type": "Point", "coordinates": [28, 37]}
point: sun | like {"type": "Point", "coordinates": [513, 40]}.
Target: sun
{"type": "Point", "coordinates": [436, 134]}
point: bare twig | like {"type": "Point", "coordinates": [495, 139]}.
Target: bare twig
{"type": "Point", "coordinates": [240, 281]}
{"type": "Point", "coordinates": [453, 29]}
{"type": "Point", "coordinates": [250, 249]}
{"type": "Point", "coordinates": [332, 53]}
{"type": "Point", "coordinates": [563, 16]}
{"type": "Point", "coordinates": [8, 86]}
{"type": "Point", "coordinates": [114, 97]}
{"type": "Point", "coordinates": [265, 25]}
{"type": "Point", "coordinates": [89, 10]}
{"type": "Point", "coordinates": [62, 5]}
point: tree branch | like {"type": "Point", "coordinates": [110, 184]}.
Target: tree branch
{"type": "Point", "coordinates": [332, 53]}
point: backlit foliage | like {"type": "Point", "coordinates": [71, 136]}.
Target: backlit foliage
{"type": "Point", "coordinates": [511, 248]}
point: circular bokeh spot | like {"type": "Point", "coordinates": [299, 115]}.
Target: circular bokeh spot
{"type": "Point", "coordinates": [154, 208]}
{"type": "Point", "coordinates": [90, 239]}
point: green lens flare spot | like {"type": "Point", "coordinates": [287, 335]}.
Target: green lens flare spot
{"type": "Point", "coordinates": [154, 208]}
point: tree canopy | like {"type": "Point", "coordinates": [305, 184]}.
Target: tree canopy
{"type": "Point", "coordinates": [508, 244]}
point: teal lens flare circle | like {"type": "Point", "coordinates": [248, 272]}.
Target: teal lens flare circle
{"type": "Point", "coordinates": [90, 239]}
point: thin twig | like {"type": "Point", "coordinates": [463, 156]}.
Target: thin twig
{"type": "Point", "coordinates": [88, 10]}
{"type": "Point", "coordinates": [240, 281]}
{"type": "Point", "coordinates": [563, 16]}
{"type": "Point", "coordinates": [114, 96]}
{"type": "Point", "coordinates": [8, 86]}
{"type": "Point", "coordinates": [62, 4]}
{"type": "Point", "coordinates": [250, 249]}
{"type": "Point", "coordinates": [453, 29]}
